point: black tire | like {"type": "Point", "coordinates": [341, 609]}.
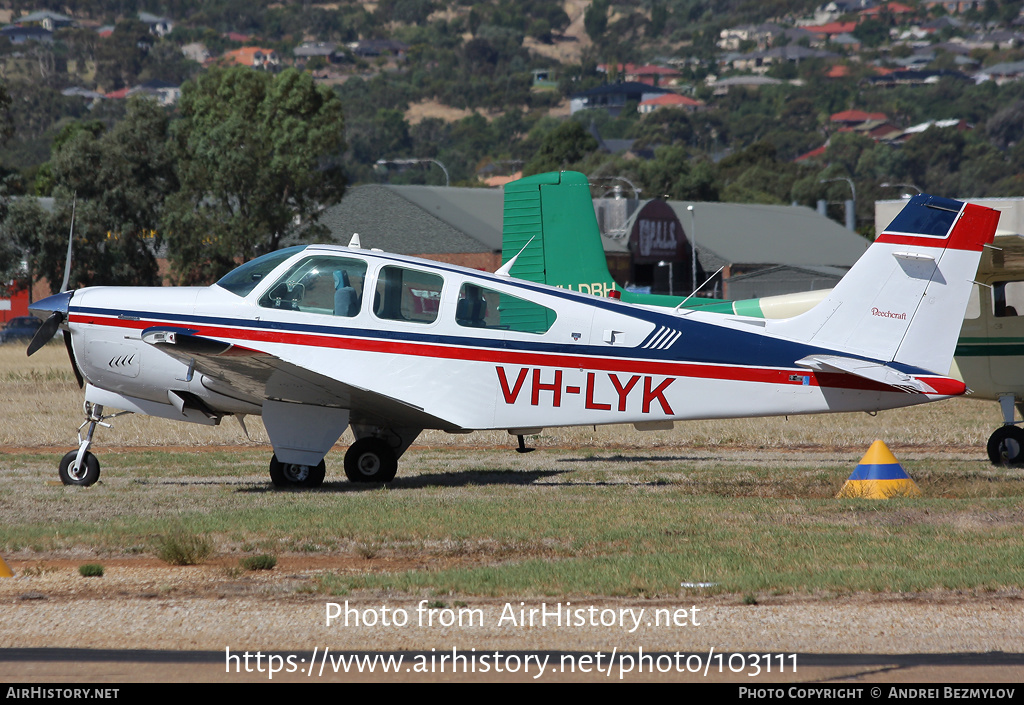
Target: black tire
{"type": "Point", "coordinates": [1006, 446]}
{"type": "Point", "coordinates": [291, 475]}
{"type": "Point", "coordinates": [87, 475]}
{"type": "Point", "coordinates": [370, 460]}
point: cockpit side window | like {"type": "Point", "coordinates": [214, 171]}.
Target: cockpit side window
{"type": "Point", "coordinates": [243, 279]}
{"type": "Point", "coordinates": [329, 286]}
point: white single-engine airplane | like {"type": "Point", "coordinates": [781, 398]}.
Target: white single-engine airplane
{"type": "Point", "coordinates": [317, 338]}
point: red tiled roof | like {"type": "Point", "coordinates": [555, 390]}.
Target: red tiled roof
{"type": "Point", "coordinates": [646, 69]}
{"type": "Point", "coordinates": [670, 99]}
{"type": "Point", "coordinates": [813, 153]}
{"type": "Point", "coordinates": [832, 28]}
{"type": "Point", "coordinates": [893, 8]}
{"type": "Point", "coordinates": [857, 116]}
{"type": "Point", "coordinates": [246, 55]}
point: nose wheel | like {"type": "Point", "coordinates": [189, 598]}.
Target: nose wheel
{"type": "Point", "coordinates": [82, 472]}
{"type": "Point", "coordinates": [80, 467]}
{"type": "Point", "coordinates": [293, 475]}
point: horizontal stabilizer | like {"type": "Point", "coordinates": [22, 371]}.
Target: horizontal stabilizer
{"type": "Point", "coordinates": [874, 371]}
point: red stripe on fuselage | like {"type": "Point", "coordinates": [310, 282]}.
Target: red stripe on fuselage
{"type": "Point", "coordinates": [736, 373]}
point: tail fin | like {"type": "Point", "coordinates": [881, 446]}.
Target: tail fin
{"type": "Point", "coordinates": [905, 298]}
{"type": "Point", "coordinates": [555, 210]}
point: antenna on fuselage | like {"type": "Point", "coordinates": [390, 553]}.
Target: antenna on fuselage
{"type": "Point", "coordinates": [354, 242]}
{"type": "Point", "coordinates": [506, 269]}
{"type": "Point", "coordinates": [699, 288]}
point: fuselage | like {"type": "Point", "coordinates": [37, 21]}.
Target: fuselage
{"type": "Point", "coordinates": [474, 350]}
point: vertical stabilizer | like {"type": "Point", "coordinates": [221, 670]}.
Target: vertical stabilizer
{"type": "Point", "coordinates": [905, 298]}
{"type": "Point", "coordinates": [555, 210]}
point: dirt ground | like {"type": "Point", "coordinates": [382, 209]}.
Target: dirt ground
{"type": "Point", "coordinates": [145, 621]}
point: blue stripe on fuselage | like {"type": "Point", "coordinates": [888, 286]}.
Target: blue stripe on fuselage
{"type": "Point", "coordinates": [699, 343]}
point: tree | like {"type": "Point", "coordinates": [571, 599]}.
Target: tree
{"type": "Point", "coordinates": [595, 19]}
{"type": "Point", "coordinates": [562, 147]}
{"type": "Point", "coordinates": [258, 157]}
{"type": "Point", "coordinates": [118, 181]}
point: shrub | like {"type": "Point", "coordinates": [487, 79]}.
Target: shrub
{"type": "Point", "coordinates": [260, 562]}
{"type": "Point", "coordinates": [182, 547]}
{"type": "Point", "coordinates": [91, 570]}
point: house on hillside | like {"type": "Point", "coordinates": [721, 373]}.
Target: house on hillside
{"type": "Point", "coordinates": [761, 61]}
{"type": "Point", "coordinates": [647, 74]}
{"type": "Point", "coordinates": [256, 57]}
{"type": "Point", "coordinates": [763, 36]}
{"type": "Point", "coordinates": [19, 34]}
{"type": "Point", "coordinates": [613, 97]}
{"type": "Point", "coordinates": [722, 86]}
{"type": "Point", "coordinates": [310, 50]}
{"type": "Point", "coordinates": [370, 48]}
{"type": "Point", "coordinates": [1001, 73]}
{"type": "Point", "coordinates": [160, 26]}
{"type": "Point", "coordinates": [670, 101]}
{"type": "Point", "coordinates": [852, 118]}
{"type": "Point", "coordinates": [50, 21]}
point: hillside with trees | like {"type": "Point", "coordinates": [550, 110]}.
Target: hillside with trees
{"type": "Point", "coordinates": [167, 143]}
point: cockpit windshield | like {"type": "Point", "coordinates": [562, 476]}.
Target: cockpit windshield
{"type": "Point", "coordinates": [243, 279]}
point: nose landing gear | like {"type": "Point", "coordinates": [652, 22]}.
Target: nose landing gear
{"type": "Point", "coordinates": [80, 467]}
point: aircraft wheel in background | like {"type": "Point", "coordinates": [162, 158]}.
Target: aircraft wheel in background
{"type": "Point", "coordinates": [370, 460]}
{"type": "Point", "coordinates": [84, 476]}
{"type": "Point", "coordinates": [1006, 446]}
{"type": "Point", "coordinates": [292, 475]}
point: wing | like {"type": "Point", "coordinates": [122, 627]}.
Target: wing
{"type": "Point", "coordinates": [261, 376]}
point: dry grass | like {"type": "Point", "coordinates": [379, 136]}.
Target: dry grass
{"type": "Point", "coordinates": [43, 407]}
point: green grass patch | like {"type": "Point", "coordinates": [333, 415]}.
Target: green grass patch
{"type": "Point", "coordinates": [553, 522]}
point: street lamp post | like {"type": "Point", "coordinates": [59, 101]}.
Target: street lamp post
{"type": "Point", "coordinates": [664, 263]}
{"type": "Point", "coordinates": [851, 217]}
{"type": "Point", "coordinates": [408, 161]}
{"type": "Point", "coordinates": [693, 250]}
{"type": "Point", "coordinates": [886, 184]}
{"type": "Point", "coordinates": [636, 191]}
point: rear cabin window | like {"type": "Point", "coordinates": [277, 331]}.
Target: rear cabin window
{"type": "Point", "coordinates": [330, 286]}
{"type": "Point", "coordinates": [479, 307]}
{"type": "Point", "coordinates": [404, 294]}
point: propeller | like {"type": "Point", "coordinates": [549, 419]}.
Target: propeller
{"type": "Point", "coordinates": [55, 310]}
{"type": "Point", "coordinates": [56, 305]}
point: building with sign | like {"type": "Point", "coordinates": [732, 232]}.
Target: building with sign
{"type": "Point", "coordinates": [761, 250]}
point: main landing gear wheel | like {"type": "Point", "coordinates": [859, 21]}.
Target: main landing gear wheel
{"type": "Point", "coordinates": [370, 460]}
{"type": "Point", "coordinates": [84, 475]}
{"type": "Point", "coordinates": [294, 475]}
{"type": "Point", "coordinates": [1006, 446]}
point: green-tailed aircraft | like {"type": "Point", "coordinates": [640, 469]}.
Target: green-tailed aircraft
{"type": "Point", "coordinates": [550, 222]}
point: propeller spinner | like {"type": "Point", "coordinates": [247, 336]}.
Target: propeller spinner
{"type": "Point", "coordinates": [54, 311]}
